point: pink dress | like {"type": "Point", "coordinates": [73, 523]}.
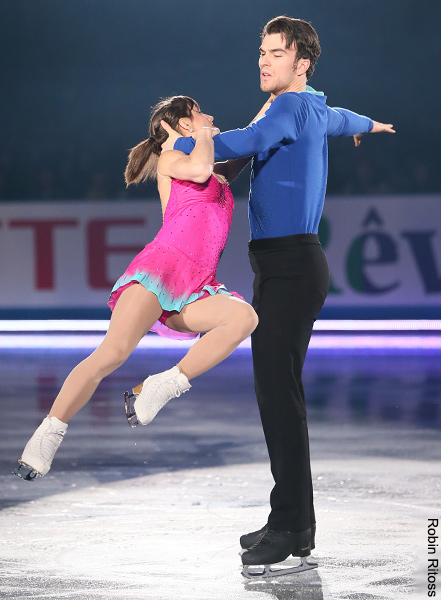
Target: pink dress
{"type": "Point", "coordinates": [179, 265]}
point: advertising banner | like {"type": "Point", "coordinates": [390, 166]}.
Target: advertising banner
{"type": "Point", "coordinates": [384, 253]}
{"type": "Point", "coordinates": [62, 258]}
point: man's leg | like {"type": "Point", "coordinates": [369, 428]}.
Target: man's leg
{"type": "Point", "coordinates": [287, 304]}
{"type": "Point", "coordinates": [279, 347]}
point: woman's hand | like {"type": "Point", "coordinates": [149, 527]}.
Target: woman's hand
{"type": "Point", "coordinates": [377, 128]}
{"type": "Point", "coordinates": [172, 137]}
{"type": "Point", "coordinates": [212, 131]}
{"type": "Point", "coordinates": [196, 166]}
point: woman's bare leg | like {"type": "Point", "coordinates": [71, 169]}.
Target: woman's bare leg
{"type": "Point", "coordinates": [135, 312]}
{"type": "Point", "coordinates": [226, 322]}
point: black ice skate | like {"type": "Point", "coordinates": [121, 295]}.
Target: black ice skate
{"type": "Point", "coordinates": [249, 540]}
{"type": "Point", "coordinates": [274, 547]}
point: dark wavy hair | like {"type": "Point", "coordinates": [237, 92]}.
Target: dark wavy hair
{"type": "Point", "coordinates": [143, 158]}
{"type": "Point", "coordinates": [299, 33]}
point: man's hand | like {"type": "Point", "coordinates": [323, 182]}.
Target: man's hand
{"type": "Point", "coordinates": [172, 137]}
{"type": "Point", "coordinates": [377, 128]}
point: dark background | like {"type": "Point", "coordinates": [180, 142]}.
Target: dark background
{"type": "Point", "coordinates": [78, 78]}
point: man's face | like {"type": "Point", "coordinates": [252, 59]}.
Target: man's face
{"type": "Point", "coordinates": [277, 65]}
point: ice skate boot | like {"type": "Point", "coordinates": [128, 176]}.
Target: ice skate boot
{"type": "Point", "coordinates": [147, 399]}
{"type": "Point", "coordinates": [274, 547]}
{"type": "Point", "coordinates": [250, 539]}
{"type": "Point", "coordinates": [39, 452]}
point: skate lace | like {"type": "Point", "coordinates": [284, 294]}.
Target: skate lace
{"type": "Point", "coordinates": [255, 544]}
{"type": "Point", "coordinates": [167, 389]}
{"type": "Point", "coordinates": [260, 535]}
{"type": "Point", "coordinates": [50, 442]}
{"type": "Point", "coordinates": [266, 537]}
{"type": "Point", "coordinates": [171, 389]}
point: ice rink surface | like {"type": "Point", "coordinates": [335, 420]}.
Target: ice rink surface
{"type": "Point", "coordinates": [156, 512]}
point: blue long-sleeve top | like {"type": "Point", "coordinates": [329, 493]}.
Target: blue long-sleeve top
{"type": "Point", "coordinates": [290, 160]}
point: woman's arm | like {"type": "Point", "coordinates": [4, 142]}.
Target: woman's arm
{"type": "Point", "coordinates": [229, 169]}
{"type": "Point", "coordinates": [197, 166]}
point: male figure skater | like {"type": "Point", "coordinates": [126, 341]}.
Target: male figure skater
{"type": "Point", "coordinates": [288, 143]}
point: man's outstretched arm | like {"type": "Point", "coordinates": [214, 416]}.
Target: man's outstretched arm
{"type": "Point", "coordinates": [345, 123]}
{"type": "Point", "coordinates": [377, 128]}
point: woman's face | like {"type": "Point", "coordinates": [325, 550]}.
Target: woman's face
{"type": "Point", "coordinates": [200, 119]}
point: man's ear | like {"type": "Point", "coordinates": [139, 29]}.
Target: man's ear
{"type": "Point", "coordinates": [302, 66]}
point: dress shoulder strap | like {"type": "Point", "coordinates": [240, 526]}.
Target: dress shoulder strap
{"type": "Point", "coordinates": [166, 177]}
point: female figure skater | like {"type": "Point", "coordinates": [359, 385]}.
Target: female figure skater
{"type": "Point", "coordinates": [170, 287]}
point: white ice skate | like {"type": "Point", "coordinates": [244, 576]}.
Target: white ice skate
{"type": "Point", "coordinates": [304, 563]}
{"type": "Point", "coordinates": [39, 452]}
{"type": "Point", "coordinates": [147, 399]}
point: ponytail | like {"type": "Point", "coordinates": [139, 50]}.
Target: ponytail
{"type": "Point", "coordinates": [143, 161]}
{"type": "Point", "coordinates": [143, 158]}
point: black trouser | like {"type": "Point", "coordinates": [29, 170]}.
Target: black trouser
{"type": "Point", "coordinates": [290, 286]}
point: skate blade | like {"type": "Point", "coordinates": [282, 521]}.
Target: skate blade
{"type": "Point", "coordinates": [129, 399]}
{"type": "Point", "coordinates": [267, 571]}
{"type": "Point", "coordinates": [26, 472]}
